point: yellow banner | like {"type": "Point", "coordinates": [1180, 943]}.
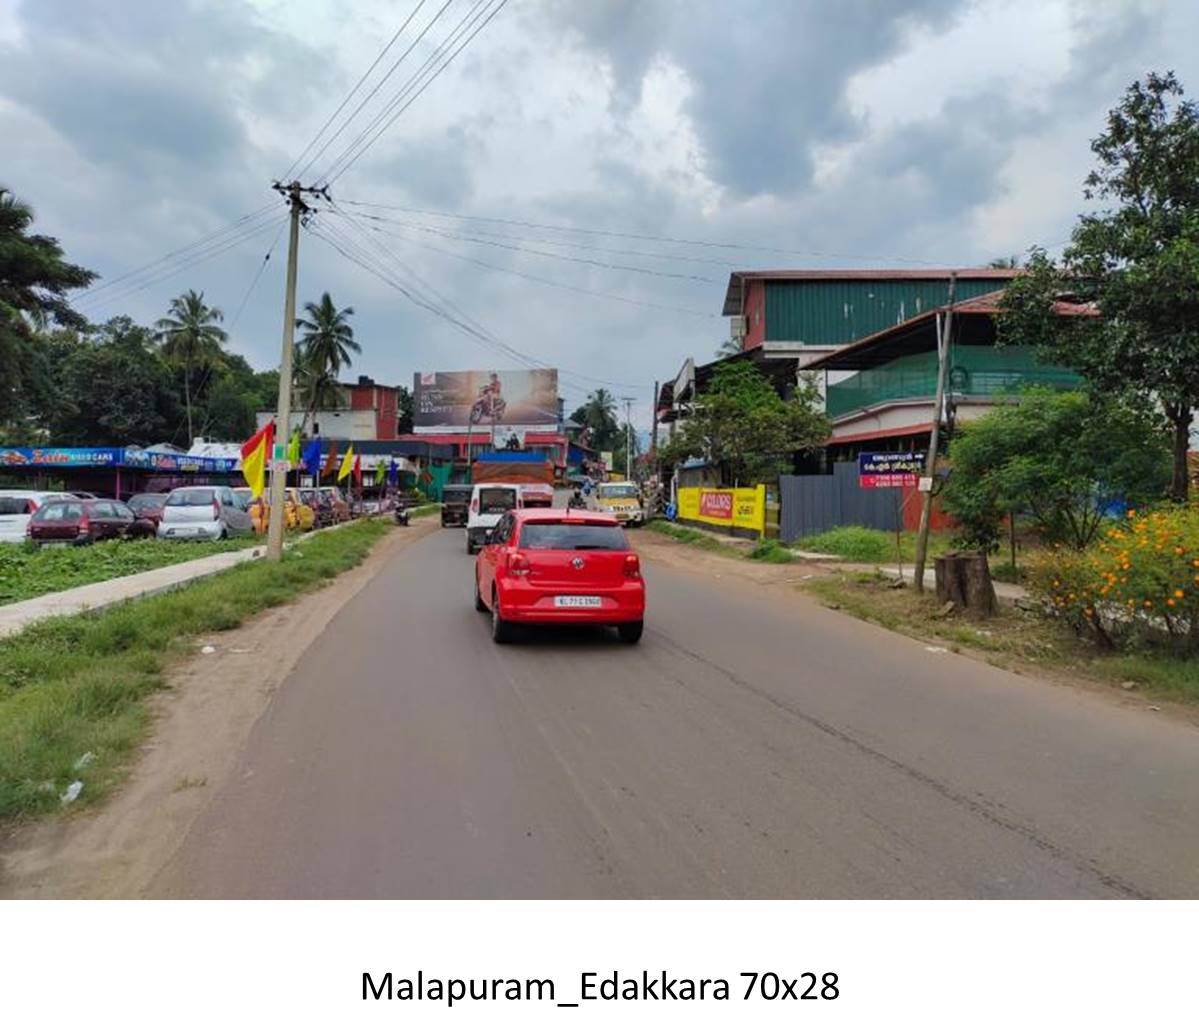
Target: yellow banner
{"type": "Point", "coordinates": [740, 508]}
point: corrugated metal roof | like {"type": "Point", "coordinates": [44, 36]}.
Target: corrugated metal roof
{"type": "Point", "coordinates": [737, 279]}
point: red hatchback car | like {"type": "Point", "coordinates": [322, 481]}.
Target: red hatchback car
{"type": "Point", "coordinates": [85, 521]}
{"type": "Point", "coordinates": [544, 566]}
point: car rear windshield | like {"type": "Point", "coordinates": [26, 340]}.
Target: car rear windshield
{"type": "Point", "coordinates": [572, 536]}
{"type": "Point", "coordinates": [13, 504]}
{"type": "Point", "coordinates": [496, 501]}
{"type": "Point", "coordinates": [190, 498]}
{"type": "Point", "coordinates": [455, 494]}
{"type": "Point", "coordinates": [59, 512]}
{"type": "Point", "coordinates": [146, 500]}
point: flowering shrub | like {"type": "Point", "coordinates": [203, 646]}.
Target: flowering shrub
{"type": "Point", "coordinates": [1139, 581]}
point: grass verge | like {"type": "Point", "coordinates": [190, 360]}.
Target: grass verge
{"type": "Point", "coordinates": [1011, 639]}
{"type": "Point", "coordinates": [422, 509]}
{"type": "Point", "coordinates": [857, 543]}
{"type": "Point", "coordinates": [73, 690]}
{"type": "Point", "coordinates": [27, 571]}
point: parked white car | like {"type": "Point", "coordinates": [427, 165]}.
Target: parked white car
{"type": "Point", "coordinates": [489, 502]}
{"type": "Point", "coordinates": [17, 507]}
{"type": "Point", "coordinates": [203, 513]}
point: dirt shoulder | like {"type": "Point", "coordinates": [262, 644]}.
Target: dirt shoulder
{"type": "Point", "coordinates": [199, 729]}
{"type": "Point", "coordinates": [1014, 640]}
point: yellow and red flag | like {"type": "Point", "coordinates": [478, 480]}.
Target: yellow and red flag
{"type": "Point", "coordinates": [347, 463]}
{"type": "Point", "coordinates": [255, 455]}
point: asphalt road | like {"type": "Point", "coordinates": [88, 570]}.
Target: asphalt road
{"type": "Point", "coordinates": [750, 746]}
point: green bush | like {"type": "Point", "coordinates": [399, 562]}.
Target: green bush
{"type": "Point", "coordinates": [1137, 584]}
{"type": "Point", "coordinates": [773, 552]}
{"type": "Point", "coordinates": [852, 542]}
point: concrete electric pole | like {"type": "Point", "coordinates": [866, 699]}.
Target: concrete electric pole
{"type": "Point", "coordinates": [278, 461]}
{"type": "Point", "coordinates": [628, 437]}
{"type": "Point", "coordinates": [944, 333]}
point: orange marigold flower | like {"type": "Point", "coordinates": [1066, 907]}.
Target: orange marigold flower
{"type": "Point", "coordinates": [1179, 593]}
{"type": "Point", "coordinates": [1170, 602]}
{"type": "Point", "coordinates": [1132, 512]}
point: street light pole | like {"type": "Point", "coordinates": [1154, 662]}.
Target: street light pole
{"type": "Point", "coordinates": [628, 438]}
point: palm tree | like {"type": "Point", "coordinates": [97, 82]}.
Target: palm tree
{"type": "Point", "coordinates": [1005, 262]}
{"type": "Point", "coordinates": [190, 338]}
{"type": "Point", "coordinates": [321, 352]}
{"type": "Point", "coordinates": [727, 349]}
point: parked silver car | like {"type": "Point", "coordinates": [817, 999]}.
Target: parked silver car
{"type": "Point", "coordinates": [17, 507]}
{"type": "Point", "coordinates": [203, 513]}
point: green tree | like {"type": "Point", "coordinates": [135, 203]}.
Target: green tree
{"type": "Point", "coordinates": [34, 280]}
{"type": "Point", "coordinates": [191, 340]}
{"type": "Point", "coordinates": [727, 349]}
{"type": "Point", "coordinates": [1062, 457]}
{"type": "Point", "coordinates": [404, 411]}
{"type": "Point", "coordinates": [114, 389]}
{"type": "Point", "coordinates": [741, 425]}
{"type": "Point", "coordinates": [598, 416]}
{"type": "Point", "coordinates": [326, 346]}
{"type": "Point", "coordinates": [1135, 264]}
{"type": "Point", "coordinates": [237, 393]}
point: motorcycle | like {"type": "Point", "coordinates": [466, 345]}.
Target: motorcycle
{"type": "Point", "coordinates": [401, 513]}
{"type": "Point", "coordinates": [488, 408]}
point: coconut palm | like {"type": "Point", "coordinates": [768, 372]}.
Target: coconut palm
{"type": "Point", "coordinates": [189, 338]}
{"type": "Point", "coordinates": [322, 351]}
{"type": "Point", "coordinates": [316, 388]}
{"type": "Point", "coordinates": [728, 348]}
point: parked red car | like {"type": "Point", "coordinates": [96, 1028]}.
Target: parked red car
{"type": "Point", "coordinates": [548, 566]}
{"type": "Point", "coordinates": [148, 506]}
{"type": "Point", "coordinates": [85, 521]}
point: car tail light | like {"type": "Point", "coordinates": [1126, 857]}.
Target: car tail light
{"type": "Point", "coordinates": [216, 510]}
{"type": "Point", "coordinates": [85, 525]}
{"type": "Point", "coordinates": [632, 566]}
{"type": "Point", "coordinates": [518, 564]}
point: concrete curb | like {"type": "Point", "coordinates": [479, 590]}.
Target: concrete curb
{"type": "Point", "coordinates": [95, 597]}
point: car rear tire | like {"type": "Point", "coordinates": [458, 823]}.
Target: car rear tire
{"type": "Point", "coordinates": [630, 632]}
{"type": "Point", "coordinates": [501, 631]}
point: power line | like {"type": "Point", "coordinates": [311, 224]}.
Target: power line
{"type": "Point", "coordinates": [594, 293]}
{"type": "Point", "coordinates": [178, 252]}
{"type": "Point", "coordinates": [330, 177]}
{"type": "Point", "coordinates": [379, 85]}
{"type": "Point", "coordinates": [157, 276]}
{"type": "Point", "coordinates": [467, 324]}
{"type": "Point", "coordinates": [349, 96]}
{"type": "Point", "coordinates": [660, 238]}
{"type": "Point", "coordinates": [537, 251]}
{"type": "Point", "coordinates": [254, 283]}
{"type": "Point", "coordinates": [405, 88]}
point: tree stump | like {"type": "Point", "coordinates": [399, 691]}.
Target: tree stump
{"type": "Point", "coordinates": [965, 579]}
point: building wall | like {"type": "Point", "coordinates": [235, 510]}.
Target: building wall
{"type": "Point", "coordinates": [384, 401]}
{"type": "Point", "coordinates": [755, 315]}
{"type": "Point", "coordinates": [336, 424]}
{"type": "Point", "coordinates": [826, 312]}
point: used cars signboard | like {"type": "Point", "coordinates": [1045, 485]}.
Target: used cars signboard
{"type": "Point", "coordinates": [890, 470]}
{"type": "Point", "coordinates": [453, 401]}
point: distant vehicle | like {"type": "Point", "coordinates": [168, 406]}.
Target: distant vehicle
{"type": "Point", "coordinates": [337, 503]}
{"type": "Point", "coordinates": [455, 504]}
{"type": "Point", "coordinates": [622, 500]}
{"type": "Point", "coordinates": [536, 494]}
{"type": "Point", "coordinates": [148, 506]}
{"type": "Point", "coordinates": [80, 522]}
{"type": "Point", "coordinates": [203, 513]}
{"type": "Point", "coordinates": [322, 509]}
{"type": "Point", "coordinates": [17, 506]}
{"type": "Point", "coordinates": [489, 501]}
{"type": "Point", "coordinates": [558, 567]}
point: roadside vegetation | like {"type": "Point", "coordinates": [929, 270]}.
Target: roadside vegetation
{"type": "Point", "coordinates": [872, 546]}
{"type": "Point", "coordinates": [73, 690]}
{"type": "Point", "coordinates": [27, 571]}
{"type": "Point", "coordinates": [1014, 638]}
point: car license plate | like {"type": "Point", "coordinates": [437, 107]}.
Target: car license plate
{"type": "Point", "coordinates": [577, 602]}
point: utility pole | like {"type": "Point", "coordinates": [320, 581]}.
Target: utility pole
{"type": "Point", "coordinates": [628, 437]}
{"type": "Point", "coordinates": [274, 539]}
{"type": "Point", "coordinates": [944, 336]}
{"type": "Point", "coordinates": [653, 435]}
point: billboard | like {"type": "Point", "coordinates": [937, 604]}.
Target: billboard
{"type": "Point", "coordinates": [452, 401]}
{"type": "Point", "coordinates": [890, 470]}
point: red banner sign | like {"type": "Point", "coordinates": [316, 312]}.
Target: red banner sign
{"type": "Point", "coordinates": [716, 504]}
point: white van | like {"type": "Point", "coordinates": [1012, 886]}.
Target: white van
{"type": "Point", "coordinates": [489, 502]}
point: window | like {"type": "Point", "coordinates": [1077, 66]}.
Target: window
{"type": "Point", "coordinates": [496, 500]}
{"type": "Point", "coordinates": [572, 536]}
{"type": "Point", "coordinates": [191, 498]}
{"type": "Point", "coordinates": [102, 510]}
{"type": "Point", "coordinates": [14, 504]}
{"type": "Point", "coordinates": [121, 511]}
{"type": "Point", "coordinates": [48, 513]}
{"type": "Point", "coordinates": [618, 491]}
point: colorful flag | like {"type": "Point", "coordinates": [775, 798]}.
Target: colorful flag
{"type": "Point", "coordinates": [255, 455]}
{"type": "Point", "coordinates": [380, 472]}
{"type": "Point", "coordinates": [293, 449]}
{"type": "Point", "coordinates": [312, 456]}
{"type": "Point", "coordinates": [393, 473]}
{"type": "Point", "coordinates": [358, 470]}
{"type": "Point", "coordinates": [330, 462]}
{"type": "Point", "coordinates": [347, 463]}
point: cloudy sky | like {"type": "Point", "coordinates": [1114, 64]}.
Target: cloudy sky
{"type": "Point", "coordinates": [811, 133]}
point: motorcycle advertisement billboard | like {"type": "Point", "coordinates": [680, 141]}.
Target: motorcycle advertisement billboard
{"type": "Point", "coordinates": [453, 401]}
